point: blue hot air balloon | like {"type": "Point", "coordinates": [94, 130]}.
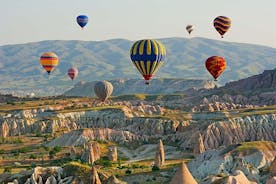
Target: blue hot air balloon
{"type": "Point", "coordinates": [82, 20]}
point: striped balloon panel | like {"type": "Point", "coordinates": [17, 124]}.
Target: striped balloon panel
{"type": "Point", "coordinates": [189, 28]}
{"type": "Point", "coordinates": [49, 61]}
{"type": "Point", "coordinates": [147, 56]}
{"type": "Point", "coordinates": [215, 65]}
{"type": "Point", "coordinates": [222, 24]}
{"type": "Point", "coordinates": [82, 20]}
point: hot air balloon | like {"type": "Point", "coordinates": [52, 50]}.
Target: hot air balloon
{"type": "Point", "coordinates": [190, 28]}
{"type": "Point", "coordinates": [215, 65]}
{"type": "Point", "coordinates": [72, 72]}
{"type": "Point", "coordinates": [49, 61]}
{"type": "Point", "coordinates": [222, 24]}
{"type": "Point", "coordinates": [147, 56]}
{"type": "Point", "coordinates": [103, 89]}
{"type": "Point", "coordinates": [82, 20]}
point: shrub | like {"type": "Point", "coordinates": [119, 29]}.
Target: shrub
{"type": "Point", "coordinates": [128, 171]}
{"type": "Point", "coordinates": [52, 154]}
{"type": "Point", "coordinates": [33, 156]}
{"type": "Point", "coordinates": [57, 149]}
{"type": "Point", "coordinates": [7, 170]}
{"type": "Point", "coordinates": [155, 168]}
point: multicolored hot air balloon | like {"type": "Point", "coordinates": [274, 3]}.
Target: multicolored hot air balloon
{"type": "Point", "coordinates": [222, 24]}
{"type": "Point", "coordinates": [190, 28]}
{"type": "Point", "coordinates": [72, 73]}
{"type": "Point", "coordinates": [215, 65]}
{"type": "Point", "coordinates": [103, 89]}
{"type": "Point", "coordinates": [49, 61]}
{"type": "Point", "coordinates": [82, 20]}
{"type": "Point", "coordinates": [147, 56]}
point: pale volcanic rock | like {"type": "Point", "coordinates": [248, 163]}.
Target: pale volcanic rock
{"type": "Point", "coordinates": [51, 180]}
{"type": "Point", "coordinates": [241, 129]}
{"type": "Point", "coordinates": [271, 180]}
{"type": "Point", "coordinates": [273, 167]}
{"type": "Point", "coordinates": [91, 152]}
{"type": "Point", "coordinates": [198, 145]}
{"type": "Point", "coordinates": [4, 131]}
{"type": "Point", "coordinates": [238, 178]}
{"type": "Point", "coordinates": [112, 154]}
{"type": "Point", "coordinates": [79, 137]}
{"type": "Point", "coordinates": [227, 160]}
{"type": "Point", "coordinates": [114, 180]}
{"type": "Point", "coordinates": [160, 155]}
{"type": "Point", "coordinates": [183, 176]}
{"type": "Point", "coordinates": [95, 179]}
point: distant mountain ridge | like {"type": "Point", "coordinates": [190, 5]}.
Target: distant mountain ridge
{"type": "Point", "coordinates": [20, 69]}
{"type": "Point", "coordinates": [132, 86]}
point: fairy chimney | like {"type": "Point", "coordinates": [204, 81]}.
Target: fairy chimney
{"type": "Point", "coordinates": [4, 131]}
{"type": "Point", "coordinates": [183, 176]}
{"type": "Point", "coordinates": [160, 155]}
{"type": "Point", "coordinates": [91, 152]}
{"type": "Point", "coordinates": [198, 145]}
{"type": "Point", "coordinates": [112, 155]}
{"type": "Point", "coordinates": [95, 179]}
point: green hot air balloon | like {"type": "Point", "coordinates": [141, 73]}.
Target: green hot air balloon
{"type": "Point", "coordinates": [103, 89]}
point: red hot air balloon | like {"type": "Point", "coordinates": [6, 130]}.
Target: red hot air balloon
{"type": "Point", "coordinates": [215, 65]}
{"type": "Point", "coordinates": [72, 73]}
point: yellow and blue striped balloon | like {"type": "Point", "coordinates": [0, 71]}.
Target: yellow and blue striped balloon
{"type": "Point", "coordinates": [49, 61]}
{"type": "Point", "coordinates": [147, 56]}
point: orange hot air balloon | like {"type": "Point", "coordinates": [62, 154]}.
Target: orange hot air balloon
{"type": "Point", "coordinates": [215, 65]}
{"type": "Point", "coordinates": [49, 61]}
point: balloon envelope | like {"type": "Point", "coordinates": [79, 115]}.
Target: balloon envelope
{"type": "Point", "coordinates": [103, 89]}
{"type": "Point", "coordinates": [72, 73]}
{"type": "Point", "coordinates": [215, 65]}
{"type": "Point", "coordinates": [222, 24]}
{"type": "Point", "coordinates": [190, 28]}
{"type": "Point", "coordinates": [82, 20]}
{"type": "Point", "coordinates": [147, 56]}
{"type": "Point", "coordinates": [49, 61]}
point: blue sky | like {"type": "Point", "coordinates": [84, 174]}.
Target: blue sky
{"type": "Point", "coordinates": [253, 21]}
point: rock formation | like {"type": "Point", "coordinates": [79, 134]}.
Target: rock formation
{"type": "Point", "coordinates": [95, 179]}
{"type": "Point", "coordinates": [238, 178]}
{"type": "Point", "coordinates": [4, 130]}
{"type": "Point", "coordinates": [51, 180]}
{"type": "Point", "coordinates": [183, 176]}
{"type": "Point", "coordinates": [114, 180]}
{"type": "Point", "coordinates": [91, 152]}
{"type": "Point", "coordinates": [271, 180]}
{"type": "Point", "coordinates": [73, 152]}
{"type": "Point", "coordinates": [198, 146]}
{"type": "Point", "coordinates": [112, 154]}
{"type": "Point", "coordinates": [160, 155]}
{"type": "Point", "coordinates": [273, 167]}
{"type": "Point", "coordinates": [227, 160]}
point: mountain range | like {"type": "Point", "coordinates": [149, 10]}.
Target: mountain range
{"type": "Point", "coordinates": [21, 71]}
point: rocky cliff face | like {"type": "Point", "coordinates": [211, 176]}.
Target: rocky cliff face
{"type": "Point", "coordinates": [126, 124]}
{"type": "Point", "coordinates": [264, 81]}
{"type": "Point", "coordinates": [226, 161]}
